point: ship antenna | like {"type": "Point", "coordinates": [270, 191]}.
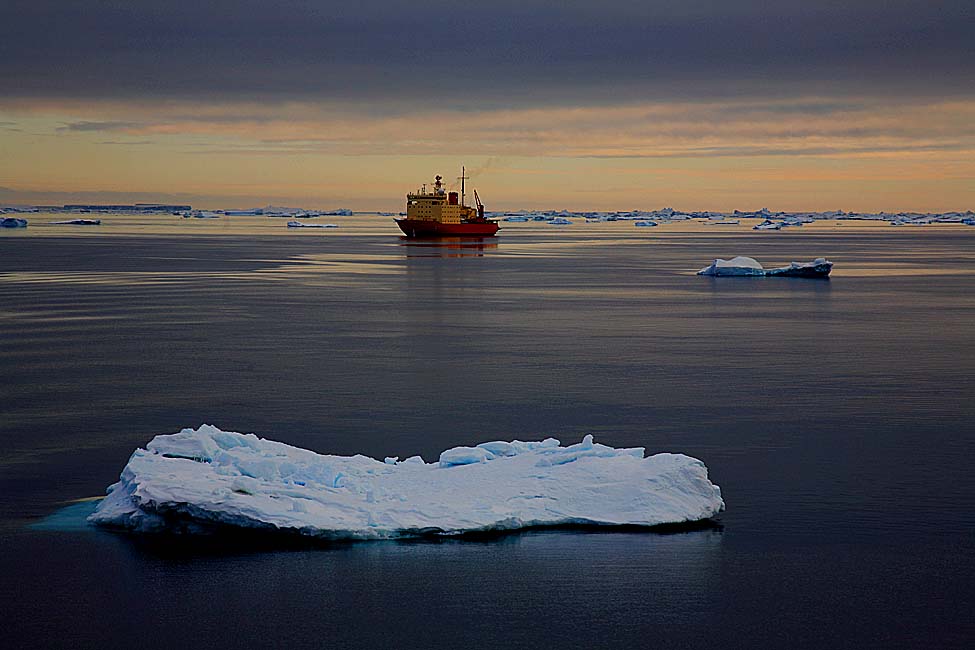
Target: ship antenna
{"type": "Point", "coordinates": [463, 177]}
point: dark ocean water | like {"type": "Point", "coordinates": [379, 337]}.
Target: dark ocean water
{"type": "Point", "coordinates": [837, 416]}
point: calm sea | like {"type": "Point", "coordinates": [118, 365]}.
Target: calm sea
{"type": "Point", "coordinates": [837, 416]}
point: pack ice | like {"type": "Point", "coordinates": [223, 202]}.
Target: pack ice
{"type": "Point", "coordinates": [201, 479]}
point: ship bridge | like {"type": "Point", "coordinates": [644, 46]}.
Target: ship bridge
{"type": "Point", "coordinates": [439, 205]}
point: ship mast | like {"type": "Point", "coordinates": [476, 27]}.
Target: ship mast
{"type": "Point", "coordinates": [463, 177]}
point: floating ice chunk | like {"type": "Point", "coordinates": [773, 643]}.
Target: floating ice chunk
{"type": "Point", "coordinates": [734, 266]}
{"type": "Point", "coordinates": [197, 480]}
{"type": "Point", "coordinates": [464, 456]}
{"type": "Point", "coordinates": [645, 224]}
{"type": "Point", "coordinates": [499, 448]}
{"type": "Point", "coordinates": [13, 222]}
{"type": "Point", "coordinates": [188, 444]}
{"type": "Point", "coordinates": [586, 448]}
{"type": "Point", "coordinates": [818, 268]}
{"type": "Point", "coordinates": [560, 221]}
{"type": "Point", "coordinates": [298, 224]}
{"type": "Point", "coordinates": [515, 447]}
{"type": "Point", "coordinates": [78, 222]}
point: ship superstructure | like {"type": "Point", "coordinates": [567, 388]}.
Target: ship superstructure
{"type": "Point", "coordinates": [439, 212]}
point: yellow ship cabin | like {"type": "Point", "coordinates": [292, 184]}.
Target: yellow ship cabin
{"type": "Point", "coordinates": [441, 206]}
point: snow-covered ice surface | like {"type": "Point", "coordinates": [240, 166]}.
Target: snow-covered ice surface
{"type": "Point", "coordinates": [199, 480]}
{"type": "Point", "coordinates": [734, 266]}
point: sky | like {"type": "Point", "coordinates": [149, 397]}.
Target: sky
{"type": "Point", "coordinates": [696, 104]}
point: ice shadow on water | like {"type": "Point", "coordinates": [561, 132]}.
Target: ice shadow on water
{"type": "Point", "coordinates": [799, 288]}
{"type": "Point", "coordinates": [189, 539]}
{"type": "Point", "coordinates": [230, 541]}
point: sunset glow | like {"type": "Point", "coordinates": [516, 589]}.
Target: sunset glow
{"type": "Point", "coordinates": [690, 113]}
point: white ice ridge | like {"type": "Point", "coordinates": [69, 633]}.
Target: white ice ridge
{"type": "Point", "coordinates": [735, 266]}
{"type": "Point", "coordinates": [195, 479]}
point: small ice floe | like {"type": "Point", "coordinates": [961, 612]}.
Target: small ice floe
{"type": "Point", "coordinates": [200, 214]}
{"type": "Point", "coordinates": [768, 224]}
{"type": "Point", "coordinates": [560, 221]}
{"type": "Point", "coordinates": [734, 266]}
{"type": "Point", "coordinates": [13, 222]}
{"type": "Point", "coordinates": [298, 224]}
{"type": "Point", "coordinates": [205, 479]}
{"type": "Point", "coordinates": [818, 268]}
{"type": "Point", "coordinates": [645, 223]}
{"type": "Point", "coordinates": [747, 266]}
{"type": "Point", "coordinates": [78, 222]}
{"type": "Point", "coordinates": [516, 219]}
{"type": "Point", "coordinates": [789, 222]}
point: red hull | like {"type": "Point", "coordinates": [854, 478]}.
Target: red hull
{"type": "Point", "coordinates": [418, 228]}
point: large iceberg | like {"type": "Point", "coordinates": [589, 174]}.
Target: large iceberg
{"type": "Point", "coordinates": [205, 479]}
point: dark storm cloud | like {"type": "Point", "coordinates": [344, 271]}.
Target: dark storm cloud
{"type": "Point", "coordinates": [493, 54]}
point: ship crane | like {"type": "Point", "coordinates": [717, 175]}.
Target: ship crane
{"type": "Point", "coordinates": [480, 206]}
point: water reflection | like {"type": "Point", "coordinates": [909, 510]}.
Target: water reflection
{"type": "Point", "coordinates": [358, 595]}
{"type": "Point", "coordinates": [448, 246]}
{"type": "Point", "coordinates": [834, 415]}
{"type": "Point", "coordinates": [793, 288]}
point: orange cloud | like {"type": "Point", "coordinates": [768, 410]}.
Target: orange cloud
{"type": "Point", "coordinates": [861, 153]}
